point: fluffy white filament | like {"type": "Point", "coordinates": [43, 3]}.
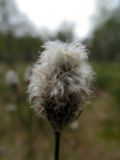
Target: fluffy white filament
{"type": "Point", "coordinates": [62, 69]}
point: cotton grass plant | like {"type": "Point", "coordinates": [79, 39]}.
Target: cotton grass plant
{"type": "Point", "coordinates": [60, 84]}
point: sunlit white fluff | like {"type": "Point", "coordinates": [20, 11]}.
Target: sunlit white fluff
{"type": "Point", "coordinates": [61, 70]}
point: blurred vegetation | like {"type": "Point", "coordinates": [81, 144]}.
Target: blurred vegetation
{"type": "Point", "coordinates": [25, 136]}
{"type": "Point", "coordinates": [29, 136]}
{"type": "Point", "coordinates": [104, 41]}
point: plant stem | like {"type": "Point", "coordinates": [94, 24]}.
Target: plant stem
{"type": "Point", "coordinates": [57, 144]}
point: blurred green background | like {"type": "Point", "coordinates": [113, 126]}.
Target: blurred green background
{"type": "Point", "coordinates": [96, 134]}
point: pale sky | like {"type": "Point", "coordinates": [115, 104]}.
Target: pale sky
{"type": "Point", "coordinates": [51, 13]}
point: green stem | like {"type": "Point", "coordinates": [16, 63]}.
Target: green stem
{"type": "Point", "coordinates": [57, 144]}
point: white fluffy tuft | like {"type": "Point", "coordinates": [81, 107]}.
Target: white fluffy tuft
{"type": "Point", "coordinates": [62, 69]}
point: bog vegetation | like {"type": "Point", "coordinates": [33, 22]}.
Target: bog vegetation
{"type": "Point", "coordinates": [96, 135]}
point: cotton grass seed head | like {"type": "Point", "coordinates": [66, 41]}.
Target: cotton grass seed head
{"type": "Point", "coordinates": [60, 83]}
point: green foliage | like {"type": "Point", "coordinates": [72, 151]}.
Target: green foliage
{"type": "Point", "coordinates": [110, 130]}
{"type": "Point", "coordinates": [104, 42]}
{"type": "Point", "coordinates": [14, 49]}
{"type": "Point", "coordinates": [116, 94]}
{"type": "Point", "coordinates": [108, 78]}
